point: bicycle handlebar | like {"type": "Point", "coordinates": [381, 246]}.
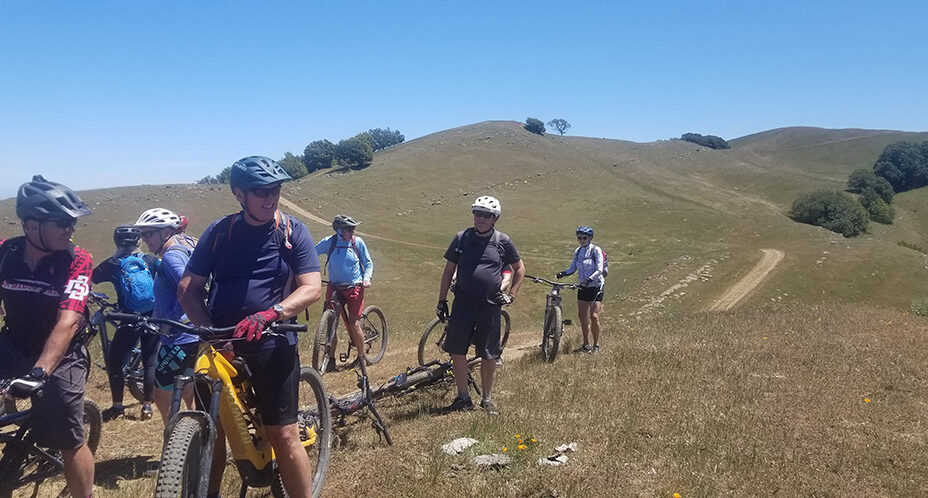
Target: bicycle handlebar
{"type": "Point", "coordinates": [559, 285]}
{"type": "Point", "coordinates": [274, 328]}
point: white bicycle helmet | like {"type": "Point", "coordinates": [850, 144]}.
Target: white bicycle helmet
{"type": "Point", "coordinates": [158, 218]}
{"type": "Point", "coordinates": [487, 204]}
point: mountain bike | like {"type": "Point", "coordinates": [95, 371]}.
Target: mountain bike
{"type": "Point", "coordinates": [23, 461]}
{"type": "Point", "coordinates": [406, 382]}
{"type": "Point", "coordinates": [132, 369]}
{"type": "Point", "coordinates": [553, 322]}
{"type": "Point", "coordinates": [373, 328]}
{"type": "Point", "coordinates": [431, 344]}
{"type": "Point", "coordinates": [225, 394]}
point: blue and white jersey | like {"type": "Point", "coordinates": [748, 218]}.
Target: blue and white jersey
{"type": "Point", "coordinates": [345, 259]}
{"type": "Point", "coordinates": [588, 263]}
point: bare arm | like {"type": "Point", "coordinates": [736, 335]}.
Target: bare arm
{"type": "Point", "coordinates": [446, 280]}
{"type": "Point", "coordinates": [190, 293]}
{"type": "Point", "coordinates": [308, 291]}
{"type": "Point", "coordinates": [57, 344]}
{"type": "Point", "coordinates": [518, 271]}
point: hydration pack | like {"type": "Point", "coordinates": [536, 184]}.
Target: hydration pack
{"type": "Point", "coordinates": [136, 284]}
{"type": "Point", "coordinates": [605, 263]}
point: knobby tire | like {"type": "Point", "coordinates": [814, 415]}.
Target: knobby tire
{"type": "Point", "coordinates": [552, 334]}
{"type": "Point", "coordinates": [322, 344]}
{"type": "Point", "coordinates": [374, 329]}
{"type": "Point", "coordinates": [431, 342]}
{"type": "Point", "coordinates": [313, 412]}
{"type": "Point", "coordinates": [179, 474]}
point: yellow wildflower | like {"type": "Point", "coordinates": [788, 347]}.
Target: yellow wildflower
{"type": "Point", "coordinates": [505, 448]}
{"type": "Point", "coordinates": [518, 436]}
{"type": "Point", "coordinates": [522, 446]}
{"type": "Point", "coordinates": [676, 495]}
{"type": "Point", "coordinates": [534, 440]}
{"type": "Point", "coordinates": [866, 400]}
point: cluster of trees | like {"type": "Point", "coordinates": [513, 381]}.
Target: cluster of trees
{"type": "Point", "coordinates": [356, 152]}
{"type": "Point", "coordinates": [901, 166]}
{"type": "Point", "coordinates": [711, 141]}
{"type": "Point", "coordinates": [537, 126]}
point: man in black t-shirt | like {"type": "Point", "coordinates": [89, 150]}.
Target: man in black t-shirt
{"type": "Point", "coordinates": [479, 255]}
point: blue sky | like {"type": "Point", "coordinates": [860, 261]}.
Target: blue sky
{"type": "Point", "coordinates": [97, 94]}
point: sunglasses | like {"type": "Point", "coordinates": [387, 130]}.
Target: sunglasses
{"type": "Point", "coordinates": [148, 234]}
{"type": "Point", "coordinates": [582, 237]}
{"type": "Point", "coordinates": [481, 214]}
{"type": "Point", "coordinates": [266, 192]}
{"type": "Point", "coordinates": [64, 224]}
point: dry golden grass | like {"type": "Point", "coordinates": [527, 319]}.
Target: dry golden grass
{"type": "Point", "coordinates": [796, 400]}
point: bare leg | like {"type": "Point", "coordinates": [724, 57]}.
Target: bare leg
{"type": "Point", "coordinates": [357, 337]}
{"type": "Point", "coordinates": [583, 309]}
{"type": "Point", "coordinates": [459, 367]}
{"type": "Point", "coordinates": [595, 308]}
{"type": "Point", "coordinates": [487, 376]}
{"type": "Point", "coordinates": [295, 470]}
{"type": "Point", "coordinates": [163, 401]}
{"type": "Point", "coordinates": [78, 471]}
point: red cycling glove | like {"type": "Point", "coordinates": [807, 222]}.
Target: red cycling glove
{"type": "Point", "coordinates": [252, 326]}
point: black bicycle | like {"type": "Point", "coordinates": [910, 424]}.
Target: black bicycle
{"type": "Point", "coordinates": [554, 322]}
{"type": "Point", "coordinates": [410, 380]}
{"type": "Point", "coordinates": [24, 462]}
{"type": "Point", "coordinates": [224, 393]}
{"type": "Point", "coordinates": [132, 369]}
{"type": "Point", "coordinates": [373, 328]}
{"type": "Point", "coordinates": [431, 344]}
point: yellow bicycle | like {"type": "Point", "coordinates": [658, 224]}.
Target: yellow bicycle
{"type": "Point", "coordinates": [225, 381]}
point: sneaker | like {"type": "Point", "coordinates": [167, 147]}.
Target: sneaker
{"type": "Point", "coordinates": [595, 349]}
{"type": "Point", "coordinates": [586, 348]}
{"type": "Point", "coordinates": [489, 407]}
{"type": "Point", "coordinates": [112, 413]}
{"type": "Point", "coordinates": [146, 412]}
{"type": "Point", "coordinates": [460, 405]}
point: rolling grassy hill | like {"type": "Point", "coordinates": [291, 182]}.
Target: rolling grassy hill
{"type": "Point", "coordinates": [662, 210]}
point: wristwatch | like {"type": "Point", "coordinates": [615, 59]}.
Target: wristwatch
{"type": "Point", "coordinates": [279, 308]}
{"type": "Point", "coordinates": [38, 373]}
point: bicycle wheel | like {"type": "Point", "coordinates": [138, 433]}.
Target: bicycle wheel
{"type": "Point", "coordinates": [431, 342]}
{"type": "Point", "coordinates": [134, 375]}
{"type": "Point", "coordinates": [179, 474]}
{"type": "Point", "coordinates": [322, 352]}
{"type": "Point", "coordinates": [93, 424]}
{"type": "Point", "coordinates": [552, 334]}
{"type": "Point", "coordinates": [374, 328]}
{"type": "Point", "coordinates": [505, 327]}
{"type": "Point", "coordinates": [314, 420]}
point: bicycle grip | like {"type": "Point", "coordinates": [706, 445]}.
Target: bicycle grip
{"type": "Point", "coordinates": [130, 317]}
{"type": "Point", "coordinates": [289, 327]}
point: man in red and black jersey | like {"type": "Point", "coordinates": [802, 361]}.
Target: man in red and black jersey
{"type": "Point", "coordinates": [44, 284]}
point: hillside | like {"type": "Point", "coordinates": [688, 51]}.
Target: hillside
{"type": "Point", "coordinates": [664, 211]}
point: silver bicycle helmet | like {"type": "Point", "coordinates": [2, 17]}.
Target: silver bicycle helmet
{"type": "Point", "coordinates": [487, 204]}
{"type": "Point", "coordinates": [41, 199]}
{"type": "Point", "coordinates": [158, 218]}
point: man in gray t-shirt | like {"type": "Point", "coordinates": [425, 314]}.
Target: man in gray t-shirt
{"type": "Point", "coordinates": [478, 254]}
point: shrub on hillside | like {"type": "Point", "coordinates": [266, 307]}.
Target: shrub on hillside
{"type": "Point", "coordinates": [356, 152]}
{"type": "Point", "coordinates": [879, 210]}
{"type": "Point", "coordinates": [293, 165]}
{"type": "Point", "coordinates": [904, 165]}
{"type": "Point", "coordinates": [319, 154]}
{"type": "Point", "coordinates": [863, 181]}
{"type": "Point", "coordinates": [535, 126]}
{"type": "Point", "coordinates": [561, 125]}
{"type": "Point", "coordinates": [381, 139]}
{"type": "Point", "coordinates": [711, 141]}
{"type": "Point", "coordinates": [836, 211]}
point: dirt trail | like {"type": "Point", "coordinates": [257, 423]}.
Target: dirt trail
{"type": "Point", "coordinates": [740, 290]}
{"type": "Point", "coordinates": [307, 215]}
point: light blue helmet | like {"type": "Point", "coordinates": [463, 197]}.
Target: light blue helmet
{"type": "Point", "coordinates": [585, 230]}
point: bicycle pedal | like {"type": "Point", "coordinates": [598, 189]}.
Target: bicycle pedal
{"type": "Point", "coordinates": [567, 322]}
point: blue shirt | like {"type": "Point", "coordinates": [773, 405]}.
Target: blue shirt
{"type": "Point", "coordinates": [251, 269]}
{"type": "Point", "coordinates": [344, 263]}
{"type": "Point", "coordinates": [168, 276]}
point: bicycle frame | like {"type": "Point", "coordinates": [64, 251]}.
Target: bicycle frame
{"type": "Point", "coordinates": [17, 447]}
{"type": "Point", "coordinates": [337, 304]}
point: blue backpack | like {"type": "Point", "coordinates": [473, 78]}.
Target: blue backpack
{"type": "Point", "coordinates": [136, 284]}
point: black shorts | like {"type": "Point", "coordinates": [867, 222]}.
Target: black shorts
{"type": "Point", "coordinates": [58, 414]}
{"type": "Point", "coordinates": [478, 326]}
{"type": "Point", "coordinates": [590, 294]}
{"type": "Point", "coordinates": [275, 375]}
{"type": "Point", "coordinates": [175, 360]}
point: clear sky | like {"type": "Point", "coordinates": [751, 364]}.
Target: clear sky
{"type": "Point", "coordinates": [96, 94]}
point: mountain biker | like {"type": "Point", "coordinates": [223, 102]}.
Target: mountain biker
{"type": "Point", "coordinates": [178, 352]}
{"type": "Point", "coordinates": [264, 269]}
{"type": "Point", "coordinates": [44, 285]}
{"type": "Point", "coordinates": [588, 261]}
{"type": "Point", "coordinates": [126, 238]}
{"type": "Point", "coordinates": [350, 268]}
{"type": "Point", "coordinates": [478, 254]}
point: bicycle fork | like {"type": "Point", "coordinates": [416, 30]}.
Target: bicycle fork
{"type": "Point", "coordinates": [207, 421]}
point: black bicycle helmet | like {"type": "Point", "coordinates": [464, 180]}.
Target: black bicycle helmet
{"type": "Point", "coordinates": [41, 199]}
{"type": "Point", "coordinates": [254, 172]}
{"type": "Point", "coordinates": [344, 221]}
{"type": "Point", "coordinates": [126, 236]}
